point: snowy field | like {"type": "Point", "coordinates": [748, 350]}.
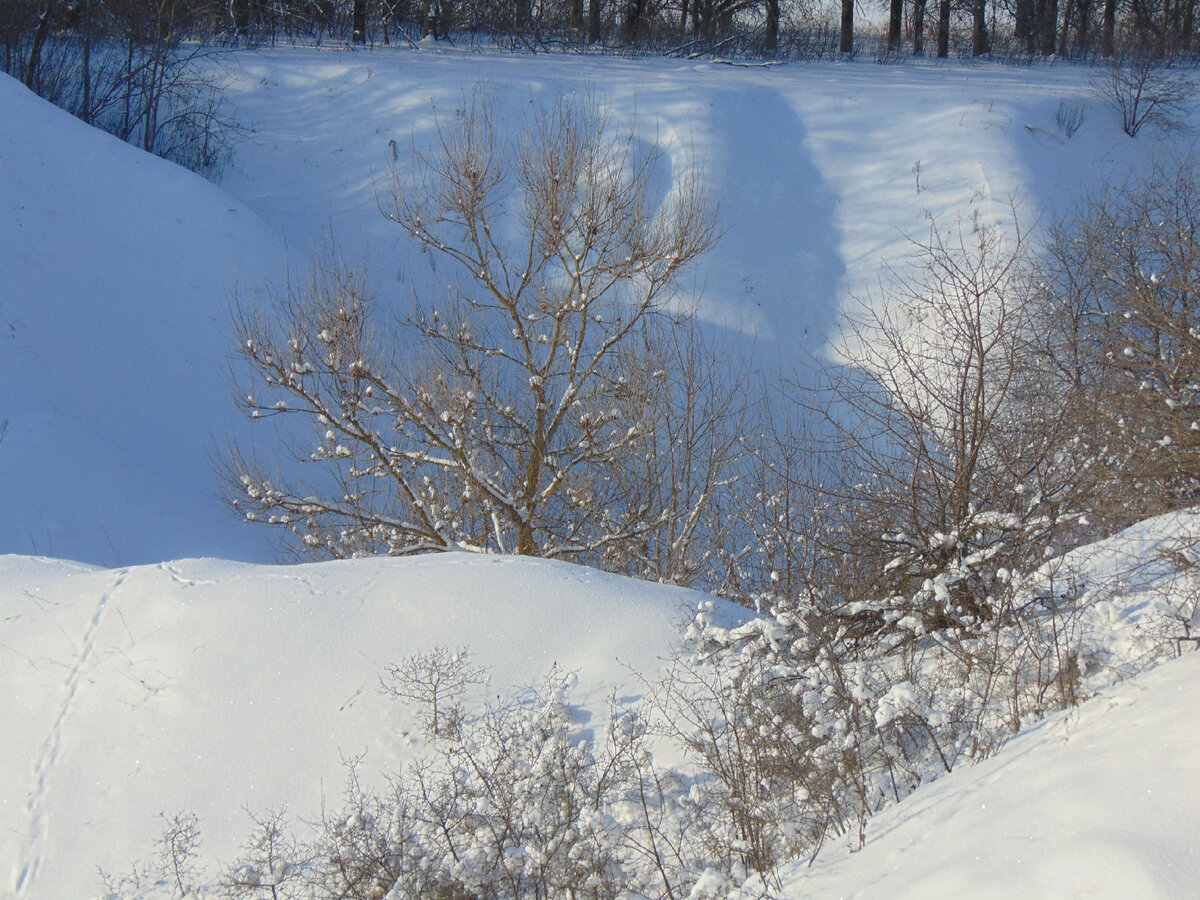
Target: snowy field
{"type": "Point", "coordinates": [131, 687]}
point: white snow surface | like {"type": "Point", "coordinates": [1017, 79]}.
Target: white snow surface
{"type": "Point", "coordinates": [1100, 801]}
{"type": "Point", "coordinates": [1097, 802]}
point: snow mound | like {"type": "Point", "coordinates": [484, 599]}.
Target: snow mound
{"type": "Point", "coordinates": [216, 687]}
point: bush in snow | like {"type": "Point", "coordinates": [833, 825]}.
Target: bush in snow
{"type": "Point", "coordinates": [939, 457]}
{"type": "Point", "coordinates": [1147, 89]}
{"type": "Point", "coordinates": [135, 69]}
{"type": "Point", "coordinates": [1121, 307]}
{"type": "Point", "coordinates": [515, 802]}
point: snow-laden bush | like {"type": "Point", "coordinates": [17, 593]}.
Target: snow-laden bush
{"type": "Point", "coordinates": [804, 726]}
{"type": "Point", "coordinates": [510, 801]}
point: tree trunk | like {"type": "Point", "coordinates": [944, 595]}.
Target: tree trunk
{"type": "Point", "coordinates": [593, 31]}
{"type": "Point", "coordinates": [918, 32]}
{"type": "Point", "coordinates": [633, 20]}
{"type": "Point", "coordinates": [771, 37]}
{"type": "Point", "coordinates": [359, 23]}
{"type": "Point", "coordinates": [84, 25]}
{"type": "Point", "coordinates": [943, 29]}
{"type": "Point", "coordinates": [1107, 28]}
{"type": "Point", "coordinates": [1049, 26]}
{"type": "Point", "coordinates": [1189, 25]}
{"type": "Point", "coordinates": [895, 22]}
{"type": "Point", "coordinates": [1064, 32]}
{"type": "Point", "coordinates": [241, 17]}
{"type": "Point", "coordinates": [846, 45]}
{"type": "Point", "coordinates": [39, 38]}
{"type": "Point", "coordinates": [979, 36]}
{"type": "Point", "coordinates": [1025, 24]}
{"type": "Point", "coordinates": [1083, 35]}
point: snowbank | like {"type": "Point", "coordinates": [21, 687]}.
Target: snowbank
{"type": "Point", "coordinates": [217, 687]}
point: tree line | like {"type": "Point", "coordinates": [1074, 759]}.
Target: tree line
{"type": "Point", "coordinates": [1028, 28]}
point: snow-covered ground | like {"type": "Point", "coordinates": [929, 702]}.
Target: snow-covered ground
{"type": "Point", "coordinates": [149, 687]}
{"type": "Point", "coordinates": [218, 687]}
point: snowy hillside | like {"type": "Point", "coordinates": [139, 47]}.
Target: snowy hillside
{"type": "Point", "coordinates": [1097, 802]}
{"type": "Point", "coordinates": [220, 688]}
{"type": "Point", "coordinates": [119, 270]}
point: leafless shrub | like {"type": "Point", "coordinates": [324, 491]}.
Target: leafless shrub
{"type": "Point", "coordinates": [955, 450]}
{"type": "Point", "coordinates": [174, 871]}
{"type": "Point", "coordinates": [1069, 116]}
{"type": "Point", "coordinates": [436, 682]}
{"type": "Point", "coordinates": [271, 866]}
{"type": "Point", "coordinates": [1148, 90]}
{"type": "Point", "coordinates": [1120, 309]}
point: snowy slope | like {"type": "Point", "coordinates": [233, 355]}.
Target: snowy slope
{"type": "Point", "coordinates": [116, 275]}
{"type": "Point", "coordinates": [1098, 802]}
{"type": "Point", "coordinates": [822, 172]}
{"type": "Point", "coordinates": [217, 687]}
{"type": "Point", "coordinates": [118, 269]}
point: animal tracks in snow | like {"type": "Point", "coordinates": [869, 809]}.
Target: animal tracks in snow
{"type": "Point", "coordinates": [29, 863]}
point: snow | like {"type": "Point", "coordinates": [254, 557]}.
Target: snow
{"type": "Point", "coordinates": [130, 686]}
{"type": "Point", "coordinates": [1097, 802]}
{"type": "Point", "coordinates": [117, 273]}
{"type": "Point", "coordinates": [218, 687]}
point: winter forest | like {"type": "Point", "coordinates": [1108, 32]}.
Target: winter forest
{"type": "Point", "coordinates": [696, 450]}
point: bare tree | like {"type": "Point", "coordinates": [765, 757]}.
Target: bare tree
{"type": "Point", "coordinates": [502, 416]}
{"type": "Point", "coordinates": [956, 451]}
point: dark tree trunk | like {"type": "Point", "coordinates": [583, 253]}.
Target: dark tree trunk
{"type": "Point", "coordinates": [593, 30]}
{"type": "Point", "coordinates": [241, 17]}
{"type": "Point", "coordinates": [1049, 26]}
{"type": "Point", "coordinates": [359, 23]}
{"type": "Point", "coordinates": [979, 35]}
{"type": "Point", "coordinates": [771, 37]}
{"type": "Point", "coordinates": [84, 25]}
{"type": "Point", "coordinates": [943, 29]}
{"type": "Point", "coordinates": [895, 21]}
{"type": "Point", "coordinates": [1107, 28]}
{"type": "Point", "coordinates": [39, 39]}
{"type": "Point", "coordinates": [1025, 24]}
{"type": "Point", "coordinates": [577, 24]}
{"type": "Point", "coordinates": [1189, 25]}
{"type": "Point", "coordinates": [846, 44]}
{"type": "Point", "coordinates": [918, 33]}
{"type": "Point", "coordinates": [1083, 31]}
{"type": "Point", "coordinates": [633, 20]}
